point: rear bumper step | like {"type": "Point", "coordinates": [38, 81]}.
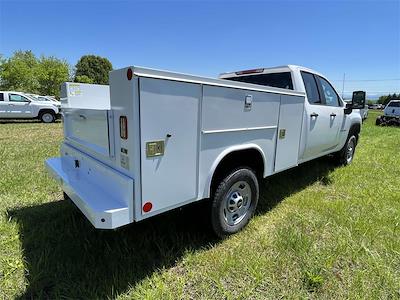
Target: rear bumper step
{"type": "Point", "coordinates": [101, 193]}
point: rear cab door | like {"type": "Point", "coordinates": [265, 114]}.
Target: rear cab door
{"type": "Point", "coordinates": [324, 115]}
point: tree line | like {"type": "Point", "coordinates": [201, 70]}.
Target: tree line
{"type": "Point", "coordinates": [25, 72]}
{"type": "Point", "coordinates": [385, 99]}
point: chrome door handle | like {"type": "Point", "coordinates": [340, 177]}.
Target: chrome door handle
{"type": "Point", "coordinates": [333, 115]}
{"type": "Point", "coordinates": [314, 115]}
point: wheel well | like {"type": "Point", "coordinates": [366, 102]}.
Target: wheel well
{"type": "Point", "coordinates": [45, 110]}
{"type": "Point", "coordinates": [251, 158]}
{"type": "Point", "coordinates": [355, 129]}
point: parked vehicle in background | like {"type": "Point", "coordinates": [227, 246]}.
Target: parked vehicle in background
{"type": "Point", "coordinates": [391, 114]}
{"type": "Point", "coordinates": [16, 105]}
{"type": "Point", "coordinates": [169, 139]}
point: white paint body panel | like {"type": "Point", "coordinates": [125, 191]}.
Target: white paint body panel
{"type": "Point", "coordinates": [173, 175]}
{"type": "Point", "coordinates": [206, 119]}
{"type": "Point", "coordinates": [85, 96]}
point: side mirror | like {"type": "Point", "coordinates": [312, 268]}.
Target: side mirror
{"type": "Point", "coordinates": [348, 109]}
{"type": "Point", "coordinates": [358, 100]}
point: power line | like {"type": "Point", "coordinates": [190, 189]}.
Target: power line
{"type": "Point", "coordinates": [394, 79]}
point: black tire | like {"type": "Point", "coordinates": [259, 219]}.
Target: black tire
{"type": "Point", "coordinates": [47, 116]}
{"type": "Point", "coordinates": [378, 121]}
{"type": "Point", "coordinates": [345, 156]}
{"type": "Point", "coordinates": [229, 190]}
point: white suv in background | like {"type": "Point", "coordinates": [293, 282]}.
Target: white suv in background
{"type": "Point", "coordinates": [17, 105]}
{"type": "Point", "coordinates": [392, 109]}
{"type": "Point", "coordinates": [391, 114]}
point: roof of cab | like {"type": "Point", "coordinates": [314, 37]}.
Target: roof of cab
{"type": "Point", "coordinates": [284, 68]}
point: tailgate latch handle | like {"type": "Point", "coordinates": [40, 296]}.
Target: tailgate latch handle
{"type": "Point", "coordinates": [76, 163]}
{"type": "Point", "coordinates": [82, 117]}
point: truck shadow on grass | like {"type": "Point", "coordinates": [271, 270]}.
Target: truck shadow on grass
{"type": "Point", "coordinates": [65, 257]}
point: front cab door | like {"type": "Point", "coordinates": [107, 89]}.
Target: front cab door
{"type": "Point", "coordinates": [324, 116]}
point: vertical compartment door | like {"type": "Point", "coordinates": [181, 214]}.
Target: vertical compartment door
{"type": "Point", "coordinates": [169, 126]}
{"type": "Point", "coordinates": [289, 132]}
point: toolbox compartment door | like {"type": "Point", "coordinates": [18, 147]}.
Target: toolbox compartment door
{"type": "Point", "coordinates": [88, 129]}
{"type": "Point", "coordinates": [169, 132]}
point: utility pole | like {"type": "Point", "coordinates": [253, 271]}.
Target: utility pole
{"type": "Point", "coordinates": [344, 78]}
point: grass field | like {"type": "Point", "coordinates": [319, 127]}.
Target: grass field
{"type": "Point", "coordinates": [320, 232]}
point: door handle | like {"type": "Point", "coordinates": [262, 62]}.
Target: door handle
{"type": "Point", "coordinates": [333, 115]}
{"type": "Point", "coordinates": [314, 115]}
{"type": "Point", "coordinates": [10, 104]}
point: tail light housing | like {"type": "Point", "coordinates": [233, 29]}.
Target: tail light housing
{"type": "Point", "coordinates": [123, 127]}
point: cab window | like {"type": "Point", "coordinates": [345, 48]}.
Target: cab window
{"type": "Point", "coordinates": [280, 80]}
{"type": "Point", "coordinates": [331, 98]}
{"type": "Point", "coordinates": [310, 84]}
{"type": "Point", "coordinates": [394, 104]}
{"type": "Point", "coordinates": [1, 97]}
{"type": "Point", "coordinates": [17, 98]}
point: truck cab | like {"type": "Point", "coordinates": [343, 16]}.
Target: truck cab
{"type": "Point", "coordinates": [17, 105]}
{"type": "Point", "coordinates": [326, 121]}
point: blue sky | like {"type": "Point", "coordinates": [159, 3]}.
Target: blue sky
{"type": "Point", "coordinates": [359, 38]}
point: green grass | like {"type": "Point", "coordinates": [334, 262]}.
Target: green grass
{"type": "Point", "coordinates": [320, 232]}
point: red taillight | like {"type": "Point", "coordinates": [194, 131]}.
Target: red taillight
{"type": "Point", "coordinates": [249, 71]}
{"type": "Point", "coordinates": [123, 127]}
{"type": "Point", "coordinates": [129, 74]}
{"type": "Point", "coordinates": [147, 207]}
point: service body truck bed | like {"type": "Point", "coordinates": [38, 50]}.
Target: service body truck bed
{"type": "Point", "coordinates": [166, 136]}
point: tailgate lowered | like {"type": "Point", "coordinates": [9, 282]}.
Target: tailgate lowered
{"type": "Point", "coordinates": [104, 195]}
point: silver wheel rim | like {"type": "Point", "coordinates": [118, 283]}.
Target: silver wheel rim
{"type": "Point", "coordinates": [47, 118]}
{"type": "Point", "coordinates": [237, 203]}
{"type": "Point", "coordinates": [350, 150]}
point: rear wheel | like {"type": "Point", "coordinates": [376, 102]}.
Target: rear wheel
{"type": "Point", "coordinates": [47, 117]}
{"type": "Point", "coordinates": [378, 121]}
{"type": "Point", "coordinates": [234, 202]}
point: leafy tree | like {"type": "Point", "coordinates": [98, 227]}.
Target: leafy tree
{"type": "Point", "coordinates": [51, 72]}
{"type": "Point", "coordinates": [94, 67]}
{"type": "Point", "coordinates": [385, 99]}
{"type": "Point", "coordinates": [18, 72]}
{"type": "Point", "coordinates": [26, 73]}
{"type": "Point", "coordinates": [83, 79]}
{"type": "Point", "coordinates": [370, 102]}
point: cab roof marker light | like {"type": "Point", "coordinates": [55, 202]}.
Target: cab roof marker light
{"type": "Point", "coordinates": [252, 71]}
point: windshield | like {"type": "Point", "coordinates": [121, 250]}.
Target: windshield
{"type": "Point", "coordinates": [30, 97]}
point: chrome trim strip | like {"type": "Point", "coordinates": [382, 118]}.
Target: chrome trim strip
{"type": "Point", "coordinates": [238, 129]}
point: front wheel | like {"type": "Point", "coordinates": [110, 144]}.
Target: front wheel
{"type": "Point", "coordinates": [234, 202]}
{"type": "Point", "coordinates": [346, 155]}
{"type": "Point", "coordinates": [47, 117]}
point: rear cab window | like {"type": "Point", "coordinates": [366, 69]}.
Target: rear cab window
{"type": "Point", "coordinates": [310, 84]}
{"type": "Point", "coordinates": [279, 80]}
{"type": "Point", "coordinates": [1, 96]}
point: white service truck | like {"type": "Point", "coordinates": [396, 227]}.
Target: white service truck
{"type": "Point", "coordinates": [170, 139]}
{"type": "Point", "coordinates": [16, 105]}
